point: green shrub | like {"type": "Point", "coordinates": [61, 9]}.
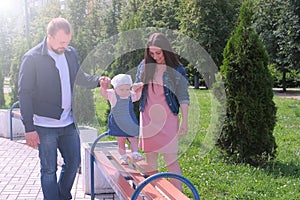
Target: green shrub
{"type": "Point", "coordinates": [247, 134]}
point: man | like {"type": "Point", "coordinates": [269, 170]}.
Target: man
{"type": "Point", "coordinates": [46, 81]}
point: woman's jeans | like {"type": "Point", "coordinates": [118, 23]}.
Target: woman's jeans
{"type": "Point", "coordinates": [67, 140]}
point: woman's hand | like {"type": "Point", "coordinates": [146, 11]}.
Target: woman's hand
{"type": "Point", "coordinates": [183, 129]}
{"type": "Point", "coordinates": [137, 87]}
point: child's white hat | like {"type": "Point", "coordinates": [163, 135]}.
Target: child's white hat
{"type": "Point", "coordinates": [121, 79]}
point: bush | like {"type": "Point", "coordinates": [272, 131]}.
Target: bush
{"type": "Point", "coordinates": [247, 134]}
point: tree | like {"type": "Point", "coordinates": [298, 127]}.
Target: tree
{"type": "Point", "coordinates": [7, 30]}
{"type": "Point", "coordinates": [112, 17]}
{"type": "Point", "coordinates": [288, 56]}
{"type": "Point", "coordinates": [163, 14]}
{"type": "Point", "coordinates": [4, 58]}
{"type": "Point", "coordinates": [94, 28]}
{"type": "Point", "coordinates": [20, 46]}
{"type": "Point", "coordinates": [77, 10]}
{"type": "Point", "coordinates": [126, 54]}
{"type": "Point", "coordinates": [278, 24]}
{"type": "Point", "coordinates": [209, 23]}
{"type": "Point", "coordinates": [247, 134]}
{"type": "Point", "coordinates": [39, 18]}
{"type": "Point", "coordinates": [84, 109]}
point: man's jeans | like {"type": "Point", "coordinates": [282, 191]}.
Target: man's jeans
{"type": "Point", "coordinates": [67, 140]}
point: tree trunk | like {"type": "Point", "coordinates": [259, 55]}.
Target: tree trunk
{"type": "Point", "coordinates": [196, 81]}
{"type": "Point", "coordinates": [284, 81]}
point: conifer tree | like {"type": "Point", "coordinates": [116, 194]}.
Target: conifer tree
{"type": "Point", "coordinates": [247, 134]}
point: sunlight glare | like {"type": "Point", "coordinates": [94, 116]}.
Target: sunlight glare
{"type": "Point", "coordinates": [6, 6]}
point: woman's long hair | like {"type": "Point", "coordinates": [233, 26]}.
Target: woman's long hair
{"type": "Point", "coordinates": [171, 59]}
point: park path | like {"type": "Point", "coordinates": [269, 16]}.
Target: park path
{"type": "Point", "coordinates": [293, 93]}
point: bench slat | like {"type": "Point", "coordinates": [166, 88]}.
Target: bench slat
{"type": "Point", "coordinates": [122, 188]}
{"type": "Point", "coordinates": [164, 185]}
{"type": "Point", "coordinates": [149, 191]}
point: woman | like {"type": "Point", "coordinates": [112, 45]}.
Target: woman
{"type": "Point", "coordinates": [165, 91]}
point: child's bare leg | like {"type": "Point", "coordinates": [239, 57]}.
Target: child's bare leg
{"type": "Point", "coordinates": [171, 161]}
{"type": "Point", "coordinates": [121, 145]}
{"type": "Point", "coordinates": [133, 144]}
{"type": "Point", "coordinates": [134, 149]}
{"type": "Point", "coordinates": [122, 150]}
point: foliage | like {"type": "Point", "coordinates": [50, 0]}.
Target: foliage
{"type": "Point", "coordinates": [77, 14]}
{"type": "Point", "coordinates": [292, 78]}
{"type": "Point", "coordinates": [5, 52]}
{"type": "Point", "coordinates": [276, 75]}
{"type": "Point", "coordinates": [161, 14]}
{"type": "Point", "coordinates": [94, 27]}
{"type": "Point", "coordinates": [40, 17]}
{"type": "Point", "coordinates": [21, 44]}
{"type": "Point", "coordinates": [127, 56]}
{"type": "Point", "coordinates": [278, 23]}
{"type": "Point", "coordinates": [209, 23]}
{"type": "Point", "coordinates": [84, 110]}
{"type": "Point", "coordinates": [112, 17]}
{"type": "Point", "coordinates": [247, 135]}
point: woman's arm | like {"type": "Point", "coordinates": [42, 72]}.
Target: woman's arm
{"type": "Point", "coordinates": [139, 72]}
{"type": "Point", "coordinates": [183, 129]}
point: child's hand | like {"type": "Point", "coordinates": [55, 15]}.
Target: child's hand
{"type": "Point", "coordinates": [104, 82]}
{"type": "Point", "coordinates": [137, 87]}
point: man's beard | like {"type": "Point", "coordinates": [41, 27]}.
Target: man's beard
{"type": "Point", "coordinates": [59, 51]}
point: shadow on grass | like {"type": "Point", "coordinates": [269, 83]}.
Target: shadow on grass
{"type": "Point", "coordinates": [279, 169]}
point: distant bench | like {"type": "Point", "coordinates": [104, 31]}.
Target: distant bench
{"type": "Point", "coordinates": [130, 182]}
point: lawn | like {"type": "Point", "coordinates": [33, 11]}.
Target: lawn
{"type": "Point", "coordinates": [202, 164]}
{"type": "Point", "coordinates": [215, 179]}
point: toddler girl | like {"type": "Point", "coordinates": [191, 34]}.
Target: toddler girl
{"type": "Point", "coordinates": [122, 121]}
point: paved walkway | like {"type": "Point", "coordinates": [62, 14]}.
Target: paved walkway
{"type": "Point", "coordinates": [293, 93]}
{"type": "Point", "coordinates": [20, 176]}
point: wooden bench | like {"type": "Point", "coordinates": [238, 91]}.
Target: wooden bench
{"type": "Point", "coordinates": [127, 180]}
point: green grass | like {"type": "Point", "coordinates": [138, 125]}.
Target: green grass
{"type": "Point", "coordinates": [202, 164]}
{"type": "Point", "coordinates": [215, 179]}
{"type": "Point", "coordinates": [7, 101]}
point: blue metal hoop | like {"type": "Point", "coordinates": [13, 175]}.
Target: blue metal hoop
{"type": "Point", "coordinates": [92, 160]}
{"type": "Point", "coordinates": [165, 175]}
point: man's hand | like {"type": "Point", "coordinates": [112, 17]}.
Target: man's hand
{"type": "Point", "coordinates": [32, 139]}
{"type": "Point", "coordinates": [104, 82]}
